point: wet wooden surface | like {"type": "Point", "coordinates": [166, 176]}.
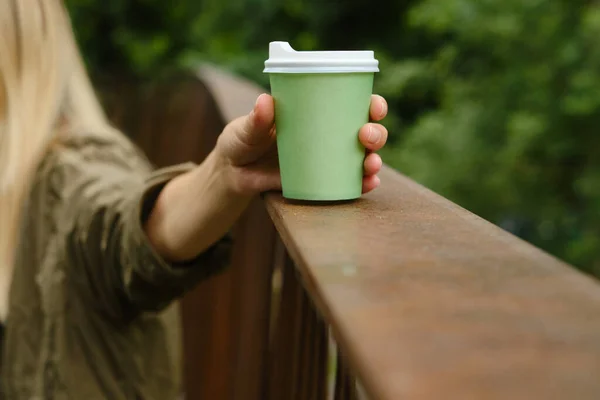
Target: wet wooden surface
{"type": "Point", "coordinates": [428, 301]}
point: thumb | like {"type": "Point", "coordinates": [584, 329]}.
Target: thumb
{"type": "Point", "coordinates": [250, 137]}
{"type": "Point", "coordinates": [257, 127]}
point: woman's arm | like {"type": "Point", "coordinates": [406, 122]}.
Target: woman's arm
{"type": "Point", "coordinates": [136, 240]}
{"type": "Point", "coordinates": [100, 192]}
{"type": "Point", "coordinates": [196, 209]}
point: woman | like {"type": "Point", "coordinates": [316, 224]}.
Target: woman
{"type": "Point", "coordinates": [94, 246]}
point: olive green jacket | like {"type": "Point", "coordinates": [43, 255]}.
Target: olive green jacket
{"type": "Point", "coordinates": [89, 314]}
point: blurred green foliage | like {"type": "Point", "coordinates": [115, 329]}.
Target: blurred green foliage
{"type": "Point", "coordinates": [495, 104]}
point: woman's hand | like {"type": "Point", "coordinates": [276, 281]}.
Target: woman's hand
{"type": "Point", "coordinates": [196, 209]}
{"type": "Point", "coordinates": [248, 151]}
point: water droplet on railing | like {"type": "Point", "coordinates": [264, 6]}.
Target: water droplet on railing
{"type": "Point", "coordinates": [349, 270]}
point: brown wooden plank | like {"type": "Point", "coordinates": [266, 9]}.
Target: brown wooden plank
{"type": "Point", "coordinates": [340, 384]}
{"type": "Point", "coordinates": [345, 383]}
{"type": "Point", "coordinates": [298, 362]}
{"type": "Point", "coordinates": [307, 329]}
{"type": "Point", "coordinates": [313, 363]}
{"type": "Point", "coordinates": [209, 335]}
{"type": "Point", "coordinates": [285, 354]}
{"type": "Point", "coordinates": [280, 257]}
{"type": "Point", "coordinates": [254, 257]}
{"type": "Point", "coordinates": [429, 301]}
{"type": "Point", "coordinates": [319, 358]}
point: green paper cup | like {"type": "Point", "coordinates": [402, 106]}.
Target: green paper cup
{"type": "Point", "coordinates": [322, 99]}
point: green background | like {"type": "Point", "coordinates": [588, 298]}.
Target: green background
{"type": "Point", "coordinates": [494, 104]}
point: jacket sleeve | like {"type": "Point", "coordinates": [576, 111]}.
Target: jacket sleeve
{"type": "Point", "coordinates": [110, 259]}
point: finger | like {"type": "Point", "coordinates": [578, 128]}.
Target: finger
{"type": "Point", "coordinates": [268, 180]}
{"type": "Point", "coordinates": [372, 164]}
{"type": "Point", "coordinates": [259, 179]}
{"type": "Point", "coordinates": [370, 182]}
{"type": "Point", "coordinates": [378, 109]}
{"type": "Point", "coordinates": [373, 136]}
{"type": "Point", "coordinates": [273, 182]}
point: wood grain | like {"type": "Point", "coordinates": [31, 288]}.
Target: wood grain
{"type": "Point", "coordinates": [428, 301]}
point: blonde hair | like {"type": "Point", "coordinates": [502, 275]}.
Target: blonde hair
{"type": "Point", "coordinates": [43, 89]}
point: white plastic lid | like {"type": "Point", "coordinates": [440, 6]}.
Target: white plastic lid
{"type": "Point", "coordinates": [283, 59]}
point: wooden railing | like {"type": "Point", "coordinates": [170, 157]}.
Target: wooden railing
{"type": "Point", "coordinates": [398, 295]}
{"type": "Point", "coordinates": [428, 301]}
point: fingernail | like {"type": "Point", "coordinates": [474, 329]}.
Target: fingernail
{"type": "Point", "coordinates": [374, 135]}
{"type": "Point", "coordinates": [257, 101]}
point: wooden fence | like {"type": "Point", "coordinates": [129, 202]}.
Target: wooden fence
{"type": "Point", "coordinates": [423, 299]}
